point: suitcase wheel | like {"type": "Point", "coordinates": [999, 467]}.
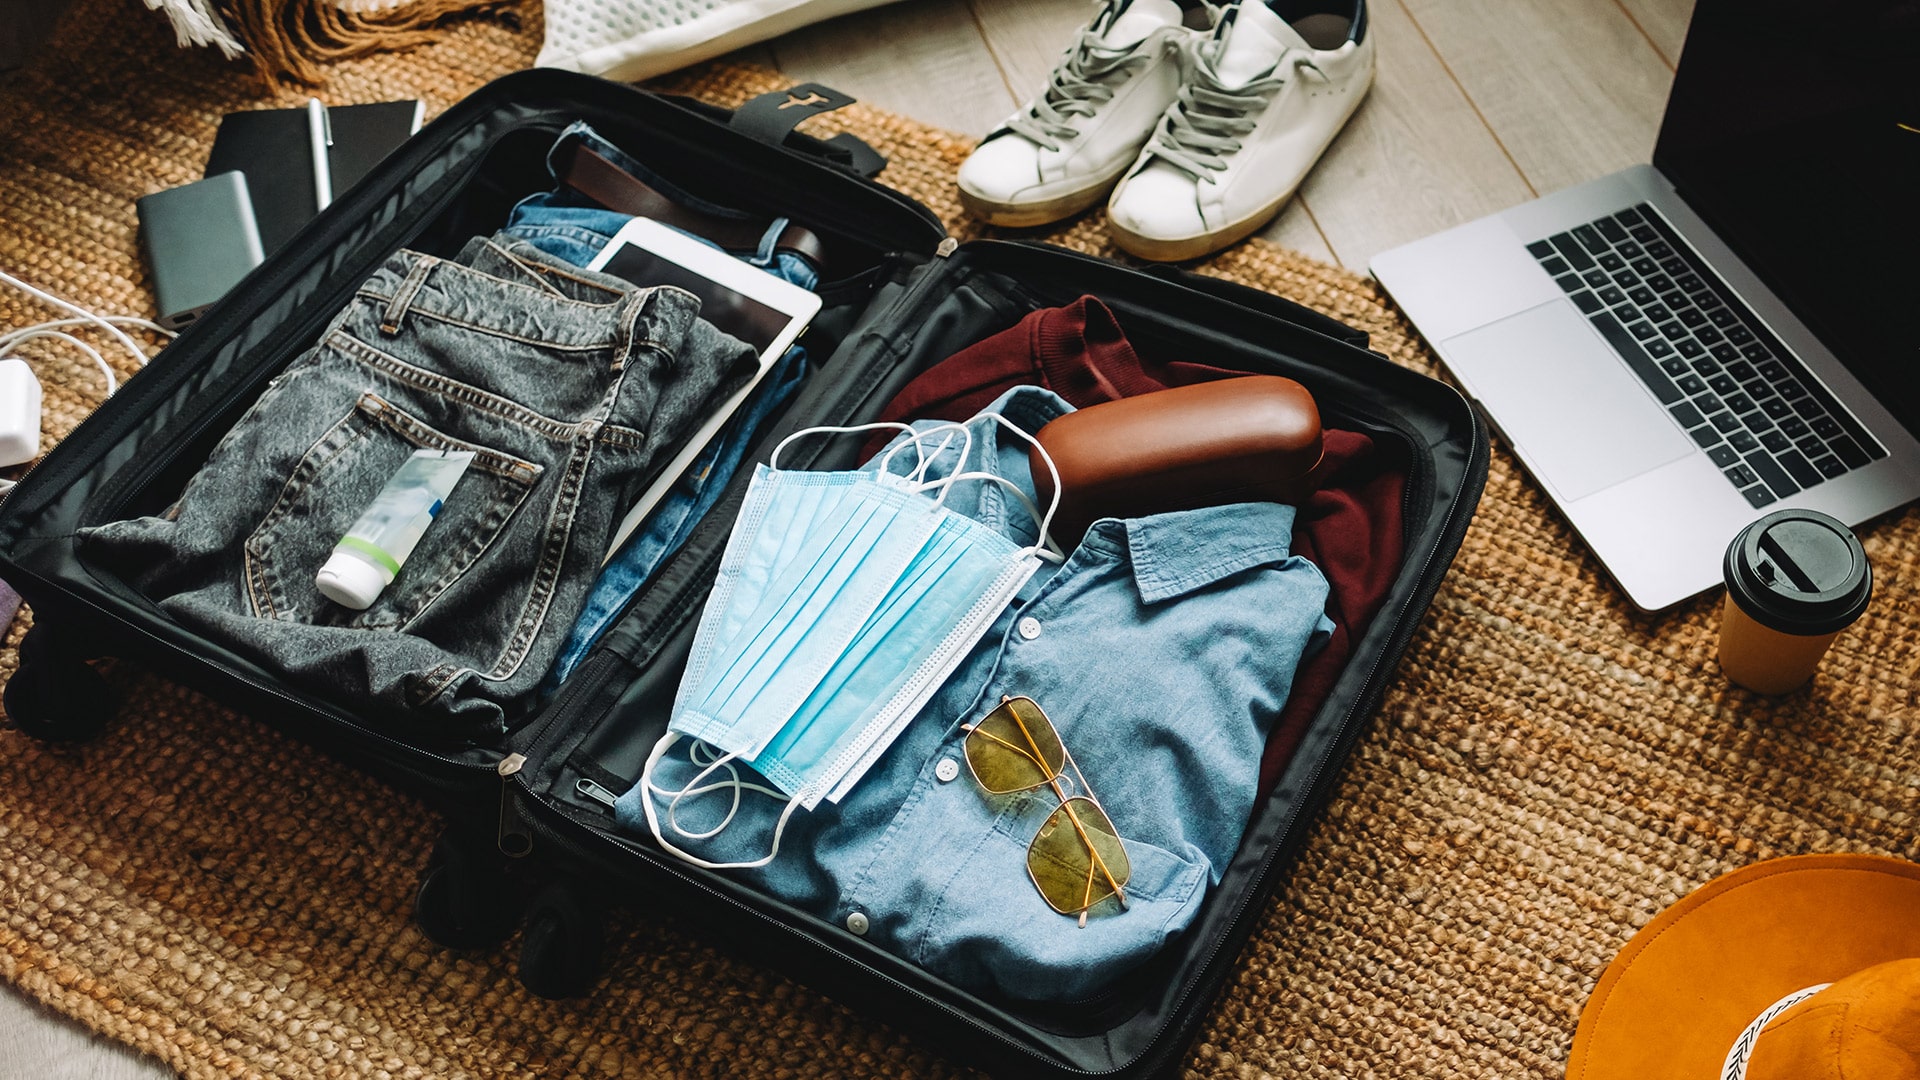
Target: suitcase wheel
{"type": "Point", "coordinates": [55, 695]}
{"type": "Point", "coordinates": [560, 953]}
{"type": "Point", "coordinates": [465, 900]}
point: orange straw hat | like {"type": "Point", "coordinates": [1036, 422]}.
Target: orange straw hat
{"type": "Point", "coordinates": [1804, 968]}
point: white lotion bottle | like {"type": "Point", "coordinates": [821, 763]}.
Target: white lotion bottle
{"type": "Point", "coordinates": [370, 555]}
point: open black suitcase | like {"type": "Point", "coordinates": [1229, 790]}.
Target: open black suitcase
{"type": "Point", "coordinates": [530, 811]}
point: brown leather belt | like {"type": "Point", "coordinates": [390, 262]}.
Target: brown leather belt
{"type": "Point", "coordinates": [616, 189]}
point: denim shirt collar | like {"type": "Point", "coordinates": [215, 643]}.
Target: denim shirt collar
{"type": "Point", "coordinates": [1176, 553]}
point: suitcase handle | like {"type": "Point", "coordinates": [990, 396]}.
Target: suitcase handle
{"type": "Point", "coordinates": [771, 118]}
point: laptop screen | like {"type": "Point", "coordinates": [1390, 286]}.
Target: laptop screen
{"type": "Point", "coordinates": [1794, 130]}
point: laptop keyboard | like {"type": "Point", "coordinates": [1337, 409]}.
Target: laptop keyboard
{"type": "Point", "coordinates": [1771, 427]}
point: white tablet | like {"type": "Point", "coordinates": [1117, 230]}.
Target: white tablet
{"type": "Point", "coordinates": [745, 301]}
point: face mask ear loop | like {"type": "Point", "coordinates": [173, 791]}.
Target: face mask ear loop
{"type": "Point", "coordinates": [722, 761]}
{"type": "Point", "coordinates": [734, 782]}
{"type": "Point", "coordinates": [946, 485]}
{"type": "Point", "coordinates": [1041, 550]}
{"type": "Point", "coordinates": [919, 454]}
{"type": "Point", "coordinates": [648, 788]}
{"type": "Point", "coordinates": [773, 459]}
{"type": "Point", "coordinates": [652, 789]}
{"type": "Point", "coordinates": [923, 460]}
{"type": "Point", "coordinates": [1046, 548]}
{"type": "Point", "coordinates": [1053, 506]}
{"type": "Point", "coordinates": [919, 474]}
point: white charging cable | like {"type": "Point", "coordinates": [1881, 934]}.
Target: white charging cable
{"type": "Point", "coordinates": [13, 338]}
{"type": "Point", "coordinates": [56, 330]}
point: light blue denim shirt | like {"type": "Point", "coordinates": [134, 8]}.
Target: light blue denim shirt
{"type": "Point", "coordinates": [1162, 650]}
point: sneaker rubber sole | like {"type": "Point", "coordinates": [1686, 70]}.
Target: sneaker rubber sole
{"type": "Point", "coordinates": [1045, 212]}
{"type": "Point", "coordinates": [1180, 249]}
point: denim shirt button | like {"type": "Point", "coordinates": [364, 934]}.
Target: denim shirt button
{"type": "Point", "coordinates": [946, 770]}
{"type": "Point", "coordinates": [1029, 628]}
{"type": "Point", "coordinates": [857, 922]}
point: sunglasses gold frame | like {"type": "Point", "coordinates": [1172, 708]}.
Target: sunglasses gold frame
{"type": "Point", "coordinates": [980, 741]}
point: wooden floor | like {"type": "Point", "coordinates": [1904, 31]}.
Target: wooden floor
{"type": "Point", "coordinates": [1477, 105]}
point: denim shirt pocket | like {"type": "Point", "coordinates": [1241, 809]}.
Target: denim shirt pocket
{"type": "Point", "coordinates": [991, 930]}
{"type": "Point", "coordinates": [335, 479]}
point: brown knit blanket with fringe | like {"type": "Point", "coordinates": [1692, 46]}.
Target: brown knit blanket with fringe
{"type": "Point", "coordinates": [296, 40]}
{"type": "Point", "coordinates": [1550, 769]}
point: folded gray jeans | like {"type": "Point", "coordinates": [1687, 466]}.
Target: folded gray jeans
{"type": "Point", "coordinates": [571, 388]}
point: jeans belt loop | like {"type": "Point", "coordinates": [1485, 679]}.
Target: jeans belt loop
{"type": "Point", "coordinates": [628, 335]}
{"type": "Point", "coordinates": [397, 307]}
{"type": "Point", "coordinates": [770, 243]}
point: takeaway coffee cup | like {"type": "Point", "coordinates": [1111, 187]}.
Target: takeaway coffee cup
{"type": "Point", "coordinates": [1795, 579]}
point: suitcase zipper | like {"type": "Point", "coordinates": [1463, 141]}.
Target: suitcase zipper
{"type": "Point", "coordinates": [513, 838]}
{"type": "Point", "coordinates": [590, 790]}
{"type": "Point", "coordinates": [514, 841]}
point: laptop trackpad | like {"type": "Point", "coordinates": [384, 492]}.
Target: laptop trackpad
{"type": "Point", "coordinates": [1557, 389]}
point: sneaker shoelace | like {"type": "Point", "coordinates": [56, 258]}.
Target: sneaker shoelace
{"type": "Point", "coordinates": [1083, 80]}
{"type": "Point", "coordinates": [1208, 118]}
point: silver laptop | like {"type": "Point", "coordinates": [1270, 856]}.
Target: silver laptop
{"type": "Point", "coordinates": [1677, 349]}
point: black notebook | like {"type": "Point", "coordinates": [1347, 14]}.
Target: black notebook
{"type": "Point", "coordinates": [274, 148]}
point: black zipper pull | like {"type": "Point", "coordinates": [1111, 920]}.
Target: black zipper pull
{"type": "Point", "coordinates": [598, 794]}
{"type": "Point", "coordinates": [515, 840]}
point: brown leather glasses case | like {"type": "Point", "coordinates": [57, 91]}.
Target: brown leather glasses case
{"type": "Point", "coordinates": [1251, 439]}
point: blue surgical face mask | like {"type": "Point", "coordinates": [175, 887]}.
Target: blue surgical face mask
{"type": "Point", "coordinates": [843, 601]}
{"type": "Point", "coordinates": [817, 570]}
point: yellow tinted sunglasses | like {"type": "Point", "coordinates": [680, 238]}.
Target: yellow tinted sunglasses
{"type": "Point", "coordinates": [1076, 860]}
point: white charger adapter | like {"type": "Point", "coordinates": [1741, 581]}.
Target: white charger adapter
{"type": "Point", "coordinates": [19, 413]}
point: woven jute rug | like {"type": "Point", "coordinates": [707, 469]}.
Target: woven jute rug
{"type": "Point", "coordinates": [1549, 771]}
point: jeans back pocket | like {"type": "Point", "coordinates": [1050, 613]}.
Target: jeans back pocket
{"type": "Point", "coordinates": [336, 479]}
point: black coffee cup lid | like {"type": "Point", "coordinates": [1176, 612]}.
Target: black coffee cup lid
{"type": "Point", "coordinates": [1799, 572]}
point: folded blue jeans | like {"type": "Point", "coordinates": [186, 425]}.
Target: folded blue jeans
{"type": "Point", "coordinates": [568, 225]}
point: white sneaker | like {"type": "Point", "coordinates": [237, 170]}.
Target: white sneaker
{"type": "Point", "coordinates": [1262, 100]}
{"type": "Point", "coordinates": [1064, 149]}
